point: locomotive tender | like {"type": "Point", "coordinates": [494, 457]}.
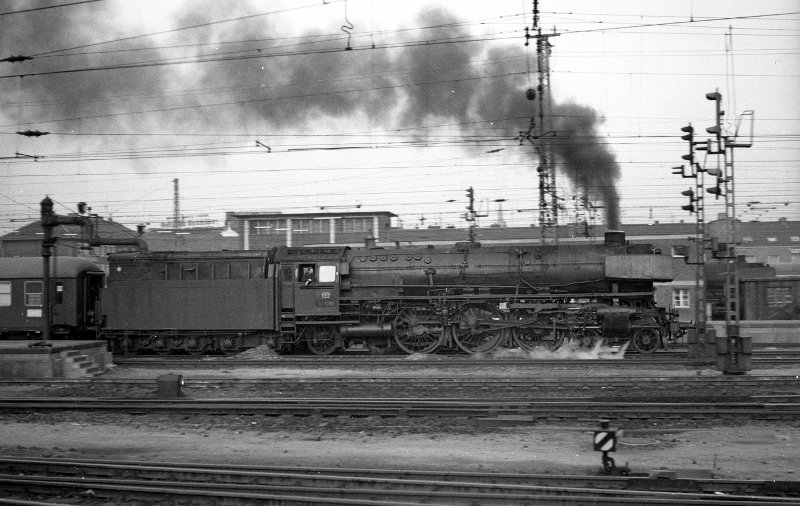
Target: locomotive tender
{"type": "Point", "coordinates": [416, 299]}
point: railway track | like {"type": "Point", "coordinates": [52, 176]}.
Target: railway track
{"type": "Point", "coordinates": [210, 484]}
{"type": "Point", "coordinates": [605, 386]}
{"type": "Point", "coordinates": [661, 360]}
{"type": "Point", "coordinates": [785, 407]}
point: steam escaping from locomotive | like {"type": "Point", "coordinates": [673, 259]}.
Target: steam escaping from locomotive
{"type": "Point", "coordinates": [397, 83]}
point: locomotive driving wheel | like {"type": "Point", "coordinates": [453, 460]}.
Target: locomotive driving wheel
{"type": "Point", "coordinates": [646, 340]}
{"type": "Point", "coordinates": [418, 329]}
{"type": "Point", "coordinates": [537, 331]}
{"type": "Point", "coordinates": [476, 328]}
{"type": "Point", "coordinates": [589, 338]}
{"type": "Point", "coordinates": [322, 340]}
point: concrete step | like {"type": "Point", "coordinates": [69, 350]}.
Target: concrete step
{"type": "Point", "coordinates": [80, 366]}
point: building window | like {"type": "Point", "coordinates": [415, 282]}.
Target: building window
{"type": "Point", "coordinates": [680, 298]}
{"type": "Point", "coordinates": [772, 239]}
{"type": "Point", "coordinates": [779, 296]}
{"type": "Point", "coordinates": [33, 293]}
{"type": "Point", "coordinates": [747, 238]}
{"type": "Point", "coordinates": [305, 226]}
{"type": "Point", "coordinates": [773, 259]}
{"type": "Point", "coordinates": [5, 293]}
{"type": "Point", "coordinates": [269, 227]}
{"type": "Point", "coordinates": [350, 225]}
{"type": "Point", "coordinates": [795, 238]}
{"type": "Point", "coordinates": [679, 250]}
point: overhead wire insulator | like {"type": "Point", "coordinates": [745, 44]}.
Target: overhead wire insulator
{"type": "Point", "coordinates": [32, 133]}
{"type": "Point", "coordinates": [14, 59]}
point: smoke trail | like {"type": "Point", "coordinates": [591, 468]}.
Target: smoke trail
{"type": "Point", "coordinates": [321, 86]}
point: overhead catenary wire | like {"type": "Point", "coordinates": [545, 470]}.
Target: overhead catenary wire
{"type": "Point", "coordinates": [85, 131]}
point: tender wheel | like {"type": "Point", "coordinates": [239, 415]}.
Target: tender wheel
{"type": "Point", "coordinates": [195, 345]}
{"type": "Point", "coordinates": [418, 329]}
{"type": "Point", "coordinates": [477, 328]}
{"type": "Point", "coordinates": [229, 344]}
{"type": "Point", "coordinates": [537, 331]}
{"type": "Point", "coordinates": [161, 345]}
{"type": "Point", "coordinates": [322, 340]}
{"type": "Point", "coordinates": [646, 340]}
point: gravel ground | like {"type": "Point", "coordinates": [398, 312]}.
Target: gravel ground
{"type": "Point", "coordinates": [748, 450]}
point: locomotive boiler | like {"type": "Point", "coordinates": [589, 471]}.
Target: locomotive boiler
{"type": "Point", "coordinates": [417, 299]}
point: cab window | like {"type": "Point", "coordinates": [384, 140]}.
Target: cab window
{"type": "Point", "coordinates": [306, 273]}
{"type": "Point", "coordinates": [327, 273]}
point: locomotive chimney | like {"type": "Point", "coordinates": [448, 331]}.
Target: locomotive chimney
{"type": "Point", "coordinates": [369, 241]}
{"type": "Point", "coordinates": [615, 237]}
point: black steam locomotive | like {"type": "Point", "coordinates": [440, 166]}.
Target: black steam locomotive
{"type": "Point", "coordinates": [416, 299]}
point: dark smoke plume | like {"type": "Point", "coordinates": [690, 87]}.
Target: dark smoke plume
{"type": "Point", "coordinates": [457, 83]}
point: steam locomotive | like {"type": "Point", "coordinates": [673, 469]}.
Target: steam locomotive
{"type": "Point", "coordinates": [416, 299]}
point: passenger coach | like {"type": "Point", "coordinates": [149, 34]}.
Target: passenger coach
{"type": "Point", "coordinates": [75, 285]}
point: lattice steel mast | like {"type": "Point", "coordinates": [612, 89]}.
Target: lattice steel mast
{"type": "Point", "coordinates": [540, 128]}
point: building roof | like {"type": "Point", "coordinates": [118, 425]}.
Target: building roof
{"type": "Point", "coordinates": [101, 227]}
{"type": "Point", "coordinates": [190, 239]}
{"type": "Point", "coordinates": [341, 214]}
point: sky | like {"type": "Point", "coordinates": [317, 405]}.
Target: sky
{"type": "Point", "coordinates": [346, 105]}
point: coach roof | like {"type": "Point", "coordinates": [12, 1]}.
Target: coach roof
{"type": "Point", "coordinates": [31, 267]}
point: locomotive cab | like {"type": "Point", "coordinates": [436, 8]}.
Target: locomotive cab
{"type": "Point", "coordinates": [310, 288]}
{"type": "Point", "coordinates": [315, 288]}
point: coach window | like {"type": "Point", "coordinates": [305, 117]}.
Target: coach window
{"type": "Point", "coordinates": [5, 293]}
{"type": "Point", "coordinates": [59, 293]}
{"type": "Point", "coordinates": [33, 293]}
{"type": "Point", "coordinates": [327, 273]}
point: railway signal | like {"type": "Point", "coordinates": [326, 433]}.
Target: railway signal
{"type": "Point", "coordinates": [471, 202]}
{"type": "Point", "coordinates": [689, 129]}
{"type": "Point", "coordinates": [695, 206]}
{"type": "Point", "coordinates": [689, 193]}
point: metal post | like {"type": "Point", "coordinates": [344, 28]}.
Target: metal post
{"type": "Point", "coordinates": [734, 350]}
{"type": "Point", "coordinates": [46, 213]}
{"type": "Point", "coordinates": [46, 254]}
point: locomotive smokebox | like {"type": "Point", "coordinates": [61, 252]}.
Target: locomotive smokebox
{"type": "Point", "coordinates": [615, 237]}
